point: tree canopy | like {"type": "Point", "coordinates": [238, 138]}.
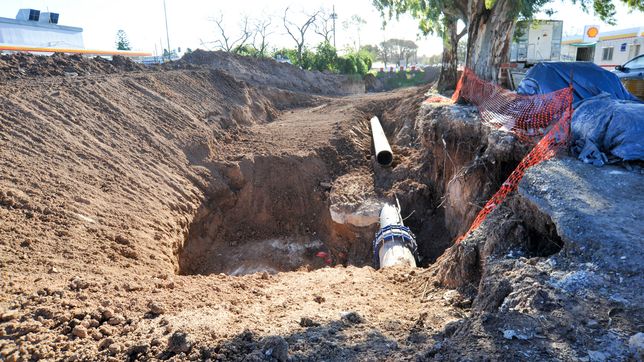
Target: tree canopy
{"type": "Point", "coordinates": [122, 43]}
{"type": "Point", "coordinates": [482, 19]}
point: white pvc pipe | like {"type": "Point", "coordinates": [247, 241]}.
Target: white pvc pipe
{"type": "Point", "coordinates": [393, 252]}
{"type": "Point", "coordinates": [384, 155]}
{"type": "Point", "coordinates": [389, 215]}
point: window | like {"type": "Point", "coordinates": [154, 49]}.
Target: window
{"type": "Point", "coordinates": [34, 15]}
{"type": "Point", "coordinates": [635, 63]}
{"type": "Point", "coordinates": [53, 18]}
{"type": "Point", "coordinates": [607, 53]}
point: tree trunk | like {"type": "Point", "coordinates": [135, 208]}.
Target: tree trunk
{"type": "Point", "coordinates": [489, 37]}
{"type": "Point", "coordinates": [449, 63]}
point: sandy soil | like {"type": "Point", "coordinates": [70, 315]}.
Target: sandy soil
{"type": "Point", "coordinates": [104, 177]}
{"type": "Point", "coordinates": [184, 213]}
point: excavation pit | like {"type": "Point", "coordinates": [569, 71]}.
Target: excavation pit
{"type": "Point", "coordinates": [269, 214]}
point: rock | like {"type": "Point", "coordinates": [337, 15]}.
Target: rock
{"type": "Point", "coordinates": [120, 239]}
{"type": "Point", "coordinates": [451, 327]}
{"type": "Point", "coordinates": [77, 283]}
{"type": "Point", "coordinates": [105, 343]}
{"type": "Point", "coordinates": [510, 334]}
{"type": "Point", "coordinates": [115, 348]}
{"type": "Point", "coordinates": [308, 322]}
{"type": "Point", "coordinates": [179, 342]}
{"type": "Point", "coordinates": [8, 315]}
{"type": "Point", "coordinates": [105, 330]}
{"type": "Point", "coordinates": [352, 317]}
{"type": "Point", "coordinates": [636, 345]}
{"type": "Point", "coordinates": [116, 320]}
{"type": "Point", "coordinates": [137, 349]}
{"type": "Point", "coordinates": [597, 356]}
{"type": "Point", "coordinates": [275, 347]}
{"type": "Point", "coordinates": [53, 270]}
{"type": "Point", "coordinates": [80, 331]}
{"type": "Point", "coordinates": [265, 276]}
{"type": "Point", "coordinates": [319, 299]}
{"type": "Point", "coordinates": [107, 314]}
{"type": "Point", "coordinates": [156, 307]}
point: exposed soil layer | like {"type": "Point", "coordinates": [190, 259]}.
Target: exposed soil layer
{"type": "Point", "coordinates": [127, 198]}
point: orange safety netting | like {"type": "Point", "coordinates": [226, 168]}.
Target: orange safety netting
{"type": "Point", "coordinates": [526, 116]}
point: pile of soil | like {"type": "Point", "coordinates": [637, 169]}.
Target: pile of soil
{"type": "Point", "coordinates": [187, 214]}
{"type": "Point", "coordinates": [27, 65]}
{"type": "Point", "coordinates": [268, 72]}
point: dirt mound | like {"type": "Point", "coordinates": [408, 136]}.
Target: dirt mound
{"type": "Point", "coordinates": [268, 72]}
{"type": "Point", "coordinates": [27, 65]}
{"type": "Point", "coordinates": [156, 173]}
{"type": "Point", "coordinates": [126, 198]}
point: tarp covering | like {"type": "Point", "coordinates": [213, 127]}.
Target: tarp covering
{"type": "Point", "coordinates": [607, 130]}
{"type": "Point", "coordinates": [589, 80]}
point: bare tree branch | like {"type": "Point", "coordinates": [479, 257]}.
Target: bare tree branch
{"type": "Point", "coordinates": [298, 33]}
{"type": "Point", "coordinates": [225, 41]}
{"type": "Point", "coordinates": [262, 31]}
{"type": "Point", "coordinates": [324, 26]}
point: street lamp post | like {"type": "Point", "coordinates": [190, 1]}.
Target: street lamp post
{"type": "Point", "coordinates": [167, 34]}
{"type": "Point", "coordinates": [334, 16]}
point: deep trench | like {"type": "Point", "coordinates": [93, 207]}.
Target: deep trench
{"type": "Point", "coordinates": [271, 213]}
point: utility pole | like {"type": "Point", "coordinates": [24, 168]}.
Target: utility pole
{"type": "Point", "coordinates": [334, 16]}
{"type": "Point", "coordinates": [167, 34]}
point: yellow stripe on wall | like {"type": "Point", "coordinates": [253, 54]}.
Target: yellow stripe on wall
{"type": "Point", "coordinates": [20, 48]}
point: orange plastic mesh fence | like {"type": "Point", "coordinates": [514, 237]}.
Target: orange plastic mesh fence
{"type": "Point", "coordinates": [555, 140]}
{"type": "Point", "coordinates": [526, 116]}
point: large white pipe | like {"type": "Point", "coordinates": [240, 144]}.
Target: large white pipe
{"type": "Point", "coordinates": [384, 155]}
{"type": "Point", "coordinates": [393, 239]}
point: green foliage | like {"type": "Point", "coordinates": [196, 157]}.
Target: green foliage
{"type": "Point", "coordinates": [347, 65]}
{"type": "Point", "coordinates": [286, 53]}
{"type": "Point", "coordinates": [308, 59]}
{"type": "Point", "coordinates": [373, 50]}
{"type": "Point", "coordinates": [247, 50]}
{"type": "Point", "coordinates": [122, 43]}
{"type": "Point", "coordinates": [402, 79]}
{"type": "Point", "coordinates": [326, 57]}
{"type": "Point", "coordinates": [355, 63]}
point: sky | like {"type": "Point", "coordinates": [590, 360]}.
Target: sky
{"type": "Point", "coordinates": [190, 21]}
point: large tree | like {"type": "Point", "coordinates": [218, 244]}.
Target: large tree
{"type": "Point", "coordinates": [489, 24]}
{"type": "Point", "coordinates": [438, 17]}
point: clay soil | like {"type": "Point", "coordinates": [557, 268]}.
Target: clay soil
{"type": "Point", "coordinates": [221, 208]}
{"type": "Point", "coordinates": [117, 185]}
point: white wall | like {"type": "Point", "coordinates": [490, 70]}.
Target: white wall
{"type": "Point", "coordinates": [42, 35]}
{"type": "Point", "coordinates": [619, 56]}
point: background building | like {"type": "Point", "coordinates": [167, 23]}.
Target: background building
{"type": "Point", "coordinates": [613, 48]}
{"type": "Point", "coordinates": [39, 29]}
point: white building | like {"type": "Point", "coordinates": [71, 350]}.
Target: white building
{"type": "Point", "coordinates": [39, 29]}
{"type": "Point", "coordinates": [613, 47]}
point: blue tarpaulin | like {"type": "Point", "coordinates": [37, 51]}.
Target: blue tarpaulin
{"type": "Point", "coordinates": [606, 130]}
{"type": "Point", "coordinates": [589, 80]}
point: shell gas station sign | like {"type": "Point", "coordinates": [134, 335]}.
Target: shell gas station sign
{"type": "Point", "coordinates": [591, 34]}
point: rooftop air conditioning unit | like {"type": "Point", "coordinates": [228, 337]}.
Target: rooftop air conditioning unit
{"type": "Point", "coordinates": [28, 15]}
{"type": "Point", "coordinates": [50, 18]}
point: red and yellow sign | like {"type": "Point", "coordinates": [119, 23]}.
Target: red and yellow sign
{"type": "Point", "coordinates": [591, 33]}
